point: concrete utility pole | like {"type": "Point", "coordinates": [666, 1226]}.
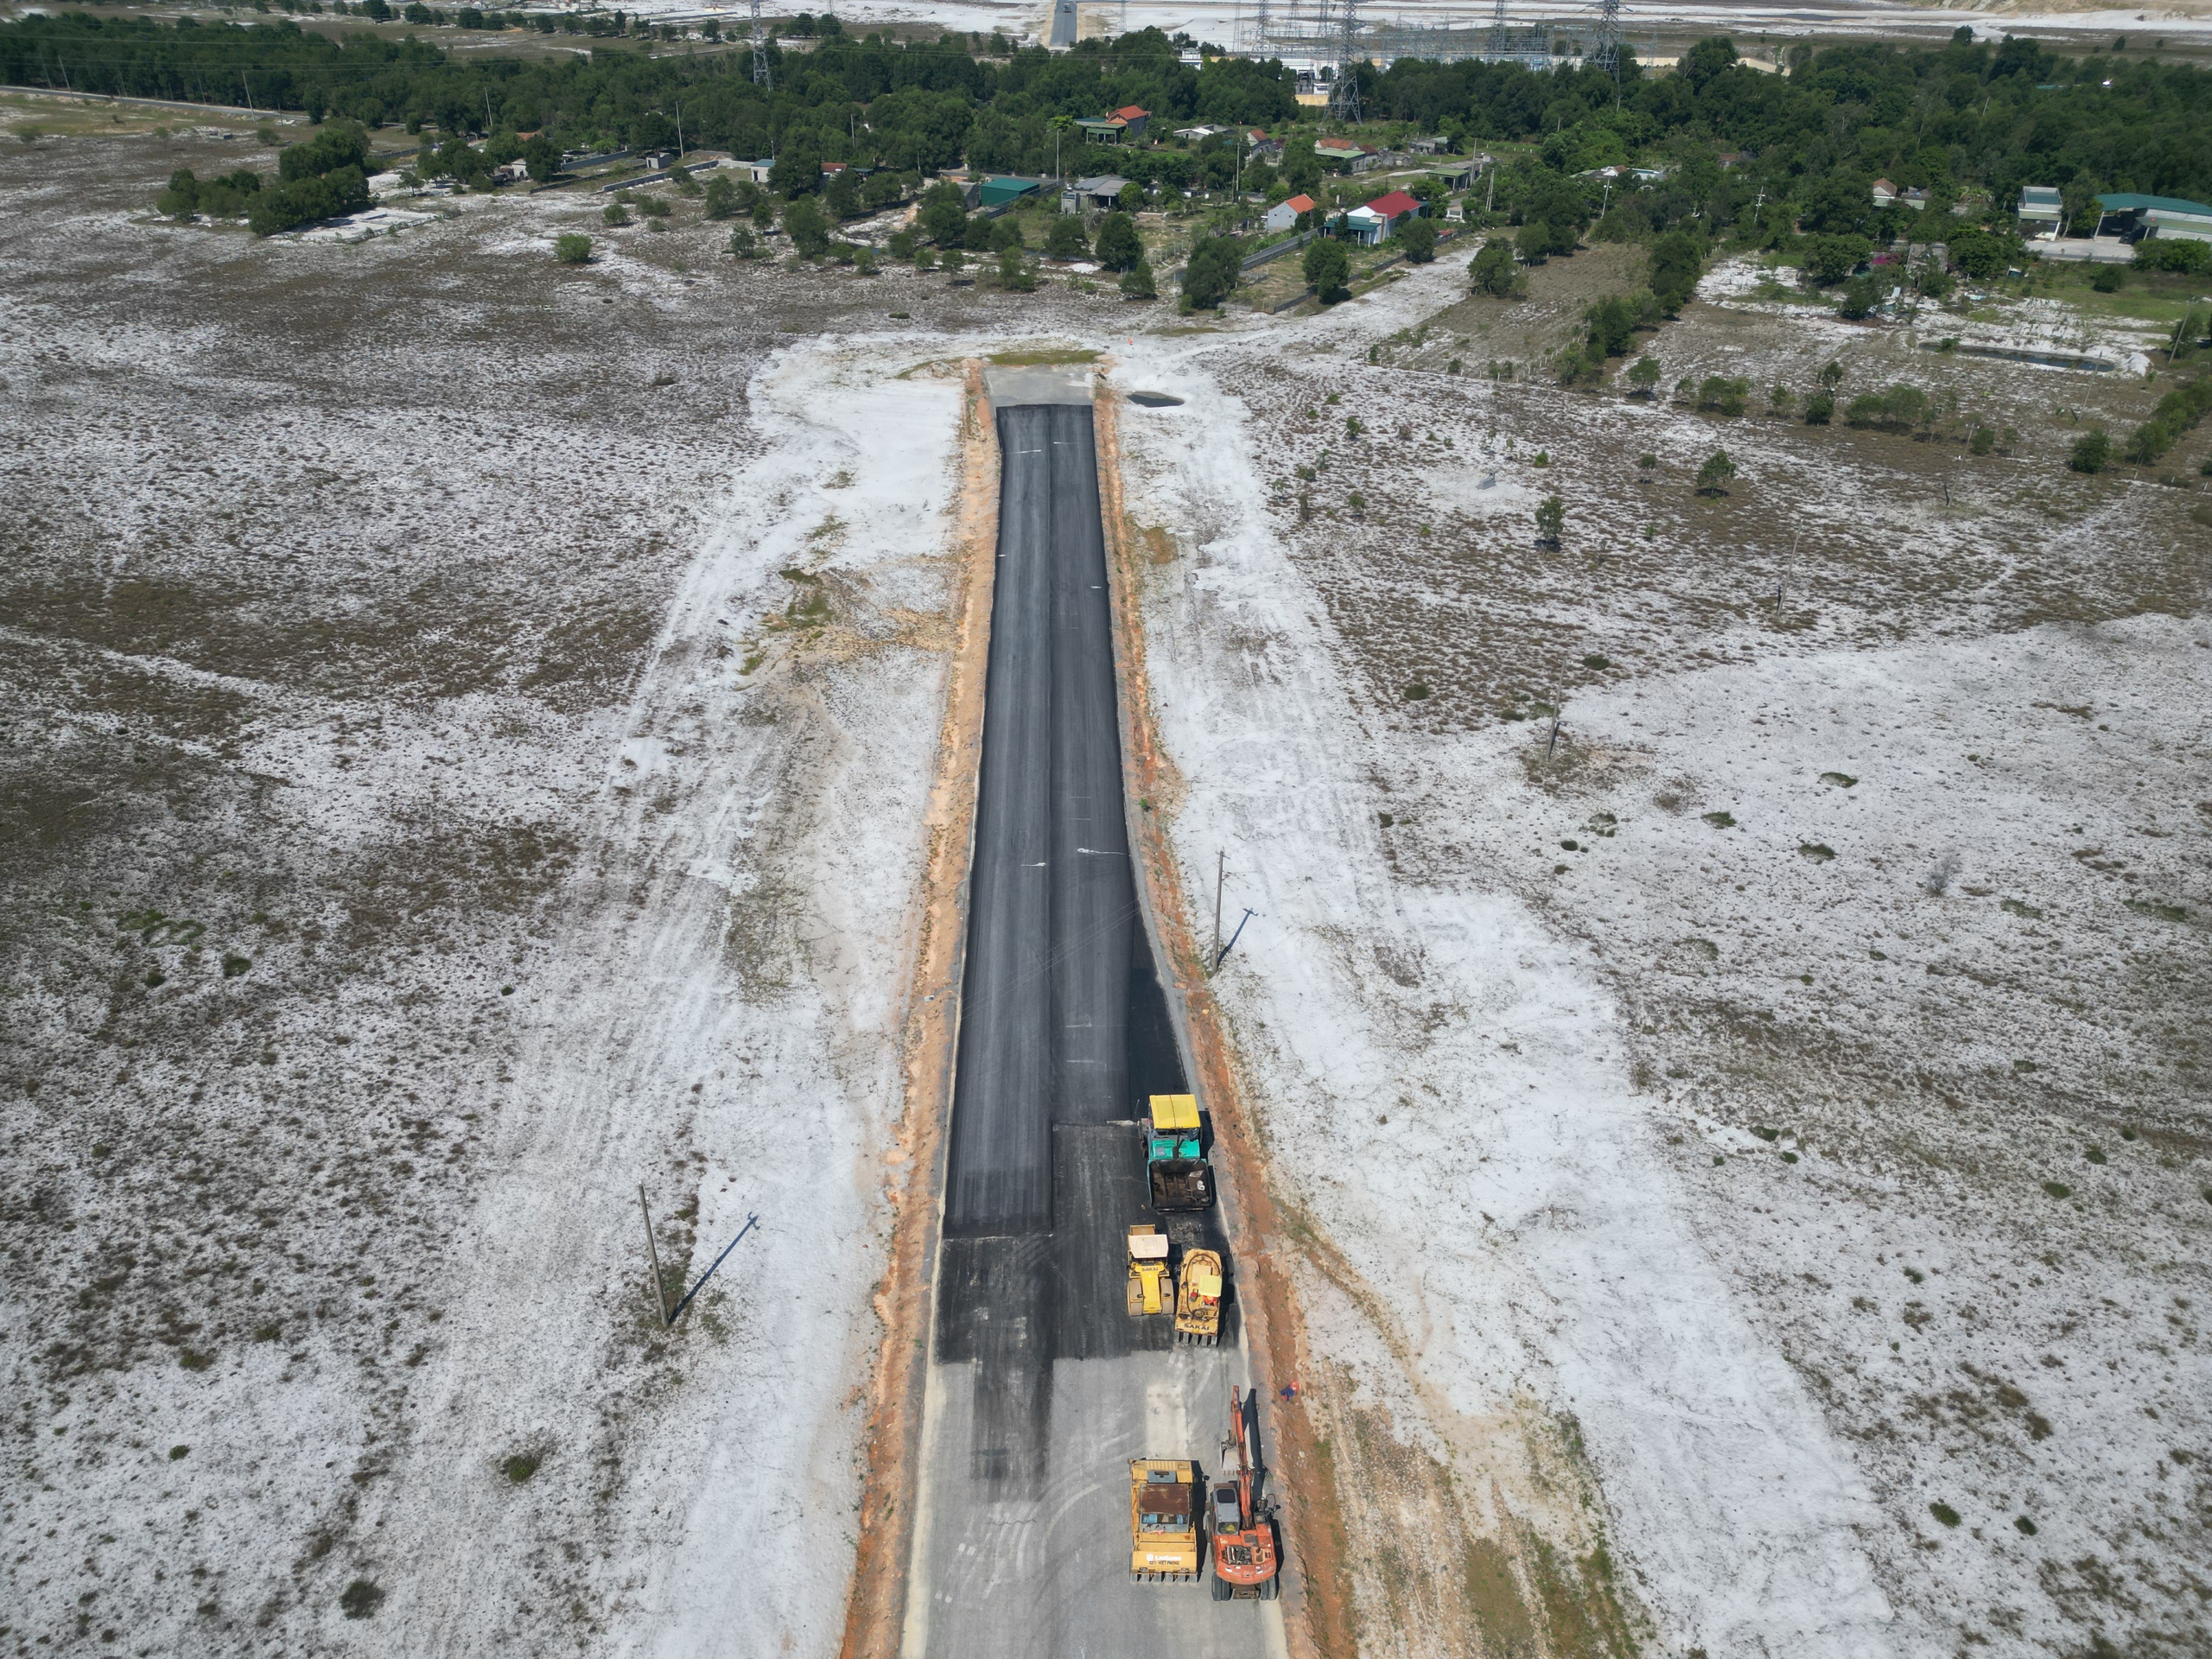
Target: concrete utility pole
{"type": "Point", "coordinates": [652, 1249]}
{"type": "Point", "coordinates": [1220, 875]}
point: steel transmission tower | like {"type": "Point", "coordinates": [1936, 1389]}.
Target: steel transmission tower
{"type": "Point", "coordinates": [1346, 97]}
{"type": "Point", "coordinates": [1497, 40]}
{"type": "Point", "coordinates": [1606, 46]}
{"type": "Point", "coordinates": [759, 49]}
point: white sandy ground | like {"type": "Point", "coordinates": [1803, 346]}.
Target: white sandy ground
{"type": "Point", "coordinates": [759, 957]}
{"type": "Point", "coordinates": [1771, 1406]}
{"type": "Point", "coordinates": [2033, 324]}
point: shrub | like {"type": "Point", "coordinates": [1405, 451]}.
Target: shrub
{"type": "Point", "coordinates": [1899, 409]}
{"type": "Point", "coordinates": [743, 243]}
{"type": "Point", "coordinates": [1721, 395]}
{"type": "Point", "coordinates": [1013, 271]}
{"type": "Point", "coordinates": [1819, 409]}
{"type": "Point", "coordinates": [614, 215]}
{"type": "Point", "coordinates": [2109, 279]}
{"type": "Point", "coordinates": [2092, 452]}
{"type": "Point", "coordinates": [1944, 1513]}
{"type": "Point", "coordinates": [1644, 375]}
{"type": "Point", "coordinates": [2178, 411]}
{"type": "Point", "coordinates": [359, 1599]}
{"type": "Point", "coordinates": [1418, 238]}
{"type": "Point", "coordinates": [1712, 478]}
{"type": "Point", "coordinates": [572, 250]}
{"type": "Point", "coordinates": [2164, 253]}
{"type": "Point", "coordinates": [1137, 283]}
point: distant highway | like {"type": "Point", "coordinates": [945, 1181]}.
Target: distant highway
{"type": "Point", "coordinates": [1042, 1387]}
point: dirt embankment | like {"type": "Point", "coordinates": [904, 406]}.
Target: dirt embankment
{"type": "Point", "coordinates": [876, 1611]}
{"type": "Point", "coordinates": [1321, 1621]}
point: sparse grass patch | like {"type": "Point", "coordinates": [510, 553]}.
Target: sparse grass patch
{"type": "Point", "coordinates": [1944, 1513]}
{"type": "Point", "coordinates": [361, 1599]}
{"type": "Point", "coordinates": [521, 1466]}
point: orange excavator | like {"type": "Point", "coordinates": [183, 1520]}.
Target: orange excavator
{"type": "Point", "coordinates": [1246, 1566]}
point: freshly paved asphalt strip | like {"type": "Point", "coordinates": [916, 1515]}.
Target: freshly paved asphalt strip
{"type": "Point", "coordinates": [1042, 1386]}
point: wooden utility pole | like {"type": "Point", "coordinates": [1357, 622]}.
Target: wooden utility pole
{"type": "Point", "coordinates": [652, 1249]}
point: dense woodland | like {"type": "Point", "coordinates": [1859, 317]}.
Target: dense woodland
{"type": "Point", "coordinates": [1963, 118]}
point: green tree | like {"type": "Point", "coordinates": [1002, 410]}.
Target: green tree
{"type": "Point", "coordinates": [2077, 197]}
{"type": "Point", "coordinates": [1118, 248]}
{"type": "Point", "coordinates": [1714, 477]}
{"type": "Point", "coordinates": [1015, 272]}
{"type": "Point", "coordinates": [1065, 238]}
{"type": "Point", "coordinates": [1535, 240]}
{"type": "Point", "coordinates": [1495, 272]}
{"type": "Point", "coordinates": [1137, 283]}
{"type": "Point", "coordinates": [1327, 269]}
{"type": "Point", "coordinates": [1644, 375]}
{"type": "Point", "coordinates": [744, 244]}
{"type": "Point", "coordinates": [2092, 452]}
{"type": "Point", "coordinates": [1978, 253]}
{"type": "Point", "coordinates": [542, 157]}
{"type": "Point", "coordinates": [1211, 274]}
{"type": "Point", "coordinates": [808, 230]}
{"type": "Point", "coordinates": [1829, 259]}
{"type": "Point", "coordinates": [1677, 262]}
{"type": "Point", "coordinates": [1819, 408]}
{"type": "Point", "coordinates": [797, 171]}
{"type": "Point", "coordinates": [1610, 327]}
{"type": "Point", "coordinates": [1861, 295]}
{"type": "Point", "coordinates": [572, 250]}
{"type": "Point", "coordinates": [1551, 518]}
{"type": "Point", "coordinates": [614, 214]}
{"type": "Point", "coordinates": [1418, 238]}
{"type": "Point", "coordinates": [722, 198]}
{"type": "Point", "coordinates": [1131, 199]}
{"type": "Point", "coordinates": [842, 196]}
{"type": "Point", "coordinates": [1006, 232]}
{"type": "Point", "coordinates": [944, 215]}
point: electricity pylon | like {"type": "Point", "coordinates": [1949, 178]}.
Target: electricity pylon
{"type": "Point", "coordinates": [759, 49]}
{"type": "Point", "coordinates": [1346, 96]}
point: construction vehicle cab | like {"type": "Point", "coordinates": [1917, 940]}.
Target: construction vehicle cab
{"type": "Point", "coordinates": [1180, 1179]}
{"type": "Point", "coordinates": [1163, 1520]}
{"type": "Point", "coordinates": [1151, 1290]}
{"type": "Point", "coordinates": [1198, 1302]}
{"type": "Point", "coordinates": [1174, 1128]}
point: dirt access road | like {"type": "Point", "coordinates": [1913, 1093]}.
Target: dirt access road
{"type": "Point", "coordinates": [1041, 1386]}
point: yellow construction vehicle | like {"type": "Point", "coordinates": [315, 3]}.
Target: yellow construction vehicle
{"type": "Point", "coordinates": [1163, 1521]}
{"type": "Point", "coordinates": [1151, 1290]}
{"type": "Point", "coordinates": [1197, 1307]}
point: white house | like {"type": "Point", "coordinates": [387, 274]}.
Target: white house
{"type": "Point", "coordinates": [1283, 216]}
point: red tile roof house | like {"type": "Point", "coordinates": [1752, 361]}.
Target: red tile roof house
{"type": "Point", "coordinates": [1380, 217]}
{"type": "Point", "coordinates": [1126, 123]}
{"type": "Point", "coordinates": [1283, 215]}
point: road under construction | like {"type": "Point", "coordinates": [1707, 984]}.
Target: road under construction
{"type": "Point", "coordinates": [1042, 1386]}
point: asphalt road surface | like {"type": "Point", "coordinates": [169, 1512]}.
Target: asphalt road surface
{"type": "Point", "coordinates": [1041, 1386]}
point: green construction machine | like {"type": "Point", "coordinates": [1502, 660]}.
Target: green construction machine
{"type": "Point", "coordinates": [1174, 1155]}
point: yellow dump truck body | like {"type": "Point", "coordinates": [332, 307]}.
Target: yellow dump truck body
{"type": "Point", "coordinates": [1151, 1289]}
{"type": "Point", "coordinates": [1197, 1303]}
{"type": "Point", "coordinates": [1163, 1520]}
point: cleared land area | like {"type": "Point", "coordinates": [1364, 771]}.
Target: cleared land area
{"type": "Point", "coordinates": [468, 750]}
